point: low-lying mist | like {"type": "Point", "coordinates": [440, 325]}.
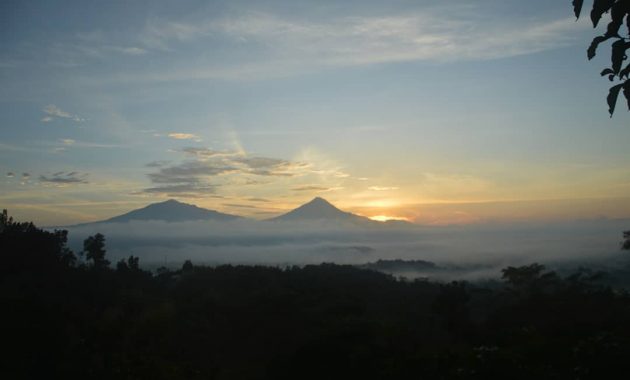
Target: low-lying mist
{"type": "Point", "coordinates": [462, 252]}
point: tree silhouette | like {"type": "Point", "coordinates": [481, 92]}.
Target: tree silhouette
{"type": "Point", "coordinates": [187, 267]}
{"type": "Point", "coordinates": [626, 240]}
{"type": "Point", "coordinates": [129, 265]}
{"type": "Point", "coordinates": [619, 10]}
{"type": "Point", "coordinates": [5, 220]}
{"type": "Point", "coordinates": [94, 248]}
{"type": "Point", "coordinates": [529, 279]}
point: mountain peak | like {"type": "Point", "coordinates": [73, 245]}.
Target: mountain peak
{"type": "Point", "coordinates": [318, 209]}
{"type": "Point", "coordinates": [171, 201]}
{"type": "Point", "coordinates": [319, 200]}
{"type": "Point", "coordinates": [171, 211]}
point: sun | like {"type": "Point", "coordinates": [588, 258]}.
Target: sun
{"type": "Point", "coordinates": [385, 218]}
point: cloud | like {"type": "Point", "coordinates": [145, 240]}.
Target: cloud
{"type": "Point", "coordinates": [25, 178]}
{"type": "Point", "coordinates": [382, 188]}
{"type": "Point", "coordinates": [159, 34]}
{"type": "Point", "coordinates": [184, 136]}
{"type": "Point", "coordinates": [238, 205]}
{"type": "Point", "coordinates": [61, 145]}
{"type": "Point", "coordinates": [187, 179]}
{"type": "Point", "coordinates": [279, 45]}
{"type": "Point", "coordinates": [208, 153]}
{"type": "Point", "coordinates": [208, 169]}
{"type": "Point", "coordinates": [52, 112]}
{"type": "Point", "coordinates": [63, 178]}
{"type": "Point", "coordinates": [189, 172]}
{"type": "Point", "coordinates": [157, 164]}
{"type": "Point", "coordinates": [264, 166]}
{"type": "Point", "coordinates": [456, 33]}
{"type": "Point", "coordinates": [312, 188]}
{"type": "Point", "coordinates": [187, 190]}
{"type": "Point", "coordinates": [10, 174]}
{"type": "Point", "coordinates": [128, 50]}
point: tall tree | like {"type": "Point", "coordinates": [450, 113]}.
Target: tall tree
{"type": "Point", "coordinates": [94, 249]}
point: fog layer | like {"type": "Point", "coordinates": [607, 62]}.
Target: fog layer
{"type": "Point", "coordinates": [482, 249]}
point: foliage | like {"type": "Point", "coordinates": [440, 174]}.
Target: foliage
{"type": "Point", "coordinates": [94, 249]}
{"type": "Point", "coordinates": [626, 240]}
{"type": "Point", "coordinates": [61, 320]}
{"type": "Point", "coordinates": [25, 247]}
{"type": "Point", "coordinates": [619, 10]}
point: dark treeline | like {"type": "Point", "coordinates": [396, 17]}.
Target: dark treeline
{"type": "Point", "coordinates": [74, 316]}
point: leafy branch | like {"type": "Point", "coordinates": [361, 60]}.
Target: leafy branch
{"type": "Point", "coordinates": [618, 11]}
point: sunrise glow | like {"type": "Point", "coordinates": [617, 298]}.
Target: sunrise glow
{"type": "Point", "coordinates": [385, 218]}
{"type": "Point", "coordinates": [101, 117]}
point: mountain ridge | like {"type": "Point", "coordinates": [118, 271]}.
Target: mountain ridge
{"type": "Point", "coordinates": [168, 211]}
{"type": "Point", "coordinates": [320, 209]}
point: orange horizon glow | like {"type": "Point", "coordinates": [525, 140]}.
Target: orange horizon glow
{"type": "Point", "coordinates": [385, 218]}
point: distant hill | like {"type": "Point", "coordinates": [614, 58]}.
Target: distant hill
{"type": "Point", "coordinates": [170, 211]}
{"type": "Point", "coordinates": [320, 209]}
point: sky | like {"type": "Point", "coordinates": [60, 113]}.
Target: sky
{"type": "Point", "coordinates": [440, 113]}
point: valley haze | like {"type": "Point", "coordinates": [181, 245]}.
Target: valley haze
{"type": "Point", "coordinates": [170, 232]}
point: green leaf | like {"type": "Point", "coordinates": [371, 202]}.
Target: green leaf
{"type": "Point", "coordinates": [619, 48]}
{"type": "Point", "coordinates": [613, 93]}
{"type": "Point", "coordinates": [577, 7]}
{"type": "Point", "coordinates": [599, 8]}
{"type": "Point", "coordinates": [626, 92]}
{"type": "Point", "coordinates": [617, 13]}
{"type": "Point", "coordinates": [592, 50]}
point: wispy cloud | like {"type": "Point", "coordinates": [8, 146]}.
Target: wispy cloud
{"type": "Point", "coordinates": [52, 111]}
{"type": "Point", "coordinates": [382, 188]}
{"type": "Point", "coordinates": [280, 45]}
{"type": "Point", "coordinates": [204, 153]}
{"type": "Point", "coordinates": [64, 178]}
{"type": "Point", "coordinates": [184, 136]}
{"type": "Point", "coordinates": [157, 164]}
{"type": "Point", "coordinates": [430, 35]}
{"type": "Point", "coordinates": [26, 177]}
{"type": "Point", "coordinates": [190, 172]}
{"type": "Point", "coordinates": [315, 188]}
{"type": "Point", "coordinates": [258, 200]}
{"type": "Point", "coordinates": [264, 166]}
{"type": "Point", "coordinates": [185, 190]}
{"type": "Point", "coordinates": [238, 205]}
{"type": "Point", "coordinates": [205, 170]}
{"type": "Point", "coordinates": [160, 34]}
{"type": "Point", "coordinates": [128, 50]}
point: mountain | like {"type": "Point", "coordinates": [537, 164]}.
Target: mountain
{"type": "Point", "coordinates": [320, 209]}
{"type": "Point", "coordinates": [171, 211]}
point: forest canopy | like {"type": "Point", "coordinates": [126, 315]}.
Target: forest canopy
{"type": "Point", "coordinates": [68, 317]}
